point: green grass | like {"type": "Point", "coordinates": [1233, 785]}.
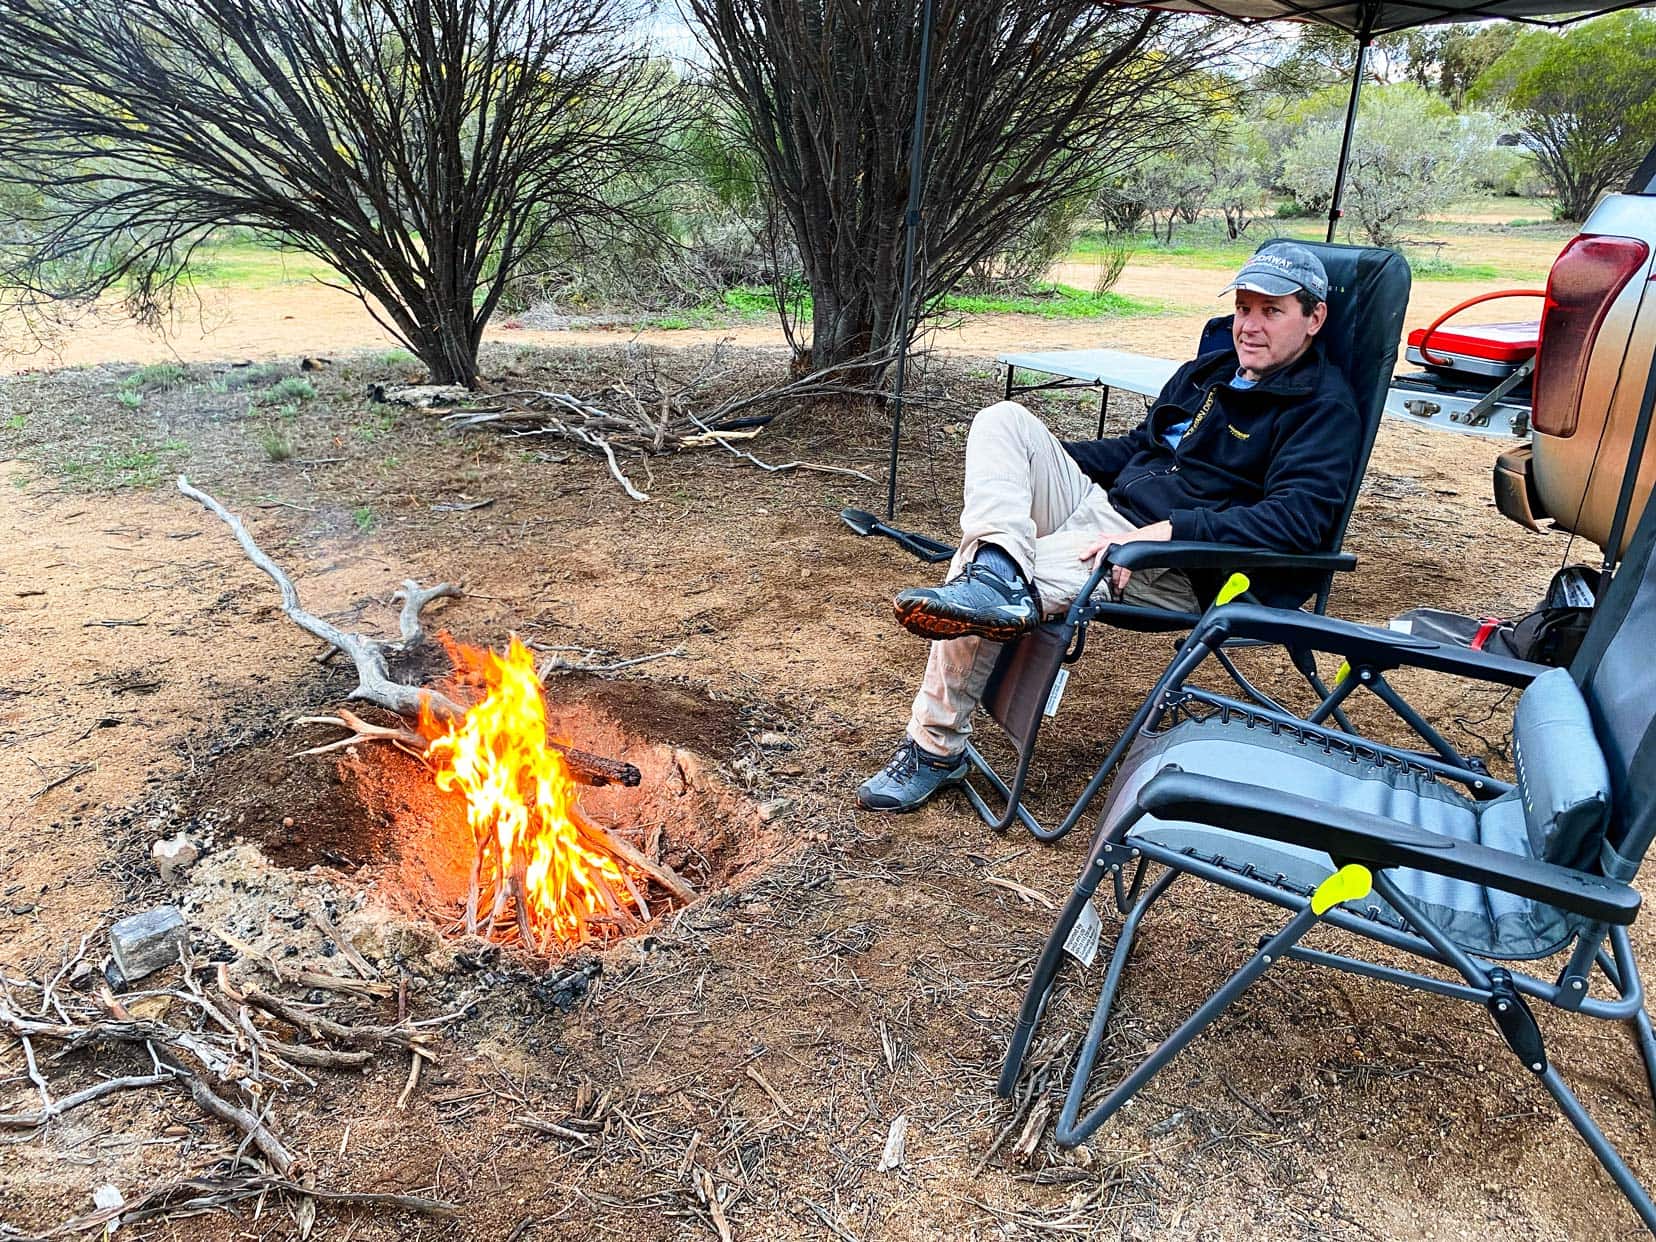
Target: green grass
{"type": "Point", "coordinates": [1485, 204]}
{"type": "Point", "coordinates": [364, 518]}
{"type": "Point", "coordinates": [743, 304]}
{"type": "Point", "coordinates": [292, 389]}
{"type": "Point", "coordinates": [1205, 245]}
{"type": "Point", "coordinates": [17, 422]}
{"type": "Point", "coordinates": [250, 265]}
{"type": "Point", "coordinates": [1050, 302]}
{"type": "Point", "coordinates": [1434, 269]}
{"type": "Point", "coordinates": [276, 445]}
{"type": "Point", "coordinates": [377, 422]}
{"type": "Point", "coordinates": [748, 304]}
{"type": "Point", "coordinates": [747, 300]}
{"type": "Point", "coordinates": [238, 378]}
{"type": "Point", "coordinates": [392, 358]}
{"type": "Point", "coordinates": [157, 377]}
{"type": "Point", "coordinates": [111, 468]}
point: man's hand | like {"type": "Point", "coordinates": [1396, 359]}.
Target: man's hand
{"type": "Point", "coordinates": [1156, 531]}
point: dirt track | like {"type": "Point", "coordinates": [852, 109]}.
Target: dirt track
{"type": "Point", "coordinates": [303, 317]}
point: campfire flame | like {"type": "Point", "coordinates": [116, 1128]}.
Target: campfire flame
{"type": "Point", "coordinates": [521, 805]}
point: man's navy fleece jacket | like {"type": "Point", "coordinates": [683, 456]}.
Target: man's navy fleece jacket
{"type": "Point", "coordinates": [1263, 467]}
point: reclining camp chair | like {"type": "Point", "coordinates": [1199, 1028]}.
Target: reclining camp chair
{"type": "Point", "coordinates": [1368, 293]}
{"type": "Point", "coordinates": [1402, 847]}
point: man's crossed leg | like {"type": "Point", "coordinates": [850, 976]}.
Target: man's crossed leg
{"type": "Point", "coordinates": [1029, 520]}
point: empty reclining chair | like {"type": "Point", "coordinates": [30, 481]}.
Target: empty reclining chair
{"type": "Point", "coordinates": [1403, 847]}
{"type": "Point", "coordinates": [1368, 294]}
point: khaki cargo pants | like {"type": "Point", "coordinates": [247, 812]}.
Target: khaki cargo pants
{"type": "Point", "coordinates": [1025, 494]}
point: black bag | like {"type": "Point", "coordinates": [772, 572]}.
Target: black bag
{"type": "Point", "coordinates": [1551, 634]}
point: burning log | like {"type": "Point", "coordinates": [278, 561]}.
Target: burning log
{"type": "Point", "coordinates": [585, 767]}
{"type": "Point", "coordinates": [561, 874]}
{"type": "Point", "coordinates": [536, 853]}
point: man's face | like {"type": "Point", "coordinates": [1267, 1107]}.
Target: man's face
{"type": "Point", "coordinates": [1272, 332]}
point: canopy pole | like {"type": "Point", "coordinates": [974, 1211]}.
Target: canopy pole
{"type": "Point", "coordinates": [1364, 40]}
{"type": "Point", "coordinates": [917, 155]}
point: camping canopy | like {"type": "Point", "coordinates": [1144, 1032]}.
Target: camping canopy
{"type": "Point", "coordinates": [1389, 18]}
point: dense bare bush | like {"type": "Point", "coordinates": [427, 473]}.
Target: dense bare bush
{"type": "Point", "coordinates": [1031, 99]}
{"type": "Point", "coordinates": [422, 148]}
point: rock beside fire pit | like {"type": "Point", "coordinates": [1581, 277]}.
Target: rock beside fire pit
{"type": "Point", "coordinates": [173, 856]}
{"type": "Point", "coordinates": [144, 943]}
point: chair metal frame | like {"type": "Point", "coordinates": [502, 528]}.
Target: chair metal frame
{"type": "Point", "coordinates": [1605, 907]}
{"type": "Point", "coordinates": [1021, 686]}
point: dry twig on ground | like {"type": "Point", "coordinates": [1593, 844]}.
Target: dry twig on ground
{"type": "Point", "coordinates": [641, 420]}
{"type": "Point", "coordinates": [233, 1069]}
{"type": "Point", "coordinates": [370, 655]}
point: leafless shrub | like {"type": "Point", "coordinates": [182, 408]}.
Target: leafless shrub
{"type": "Point", "coordinates": [1030, 100]}
{"type": "Point", "coordinates": [422, 149]}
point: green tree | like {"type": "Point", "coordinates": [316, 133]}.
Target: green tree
{"type": "Point", "coordinates": [1449, 59]}
{"type": "Point", "coordinates": [1585, 100]}
{"type": "Point", "coordinates": [1321, 56]}
{"type": "Point", "coordinates": [1410, 156]}
{"type": "Point", "coordinates": [1231, 162]}
{"type": "Point", "coordinates": [1169, 186]}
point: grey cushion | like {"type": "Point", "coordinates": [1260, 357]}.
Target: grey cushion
{"type": "Point", "coordinates": [1562, 776]}
{"type": "Point", "coordinates": [1481, 920]}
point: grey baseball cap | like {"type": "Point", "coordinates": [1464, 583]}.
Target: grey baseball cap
{"type": "Point", "coordinates": [1280, 268]}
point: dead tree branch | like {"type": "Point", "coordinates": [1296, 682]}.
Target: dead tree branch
{"type": "Point", "coordinates": [639, 420]}
{"type": "Point", "coordinates": [374, 684]}
{"type": "Point", "coordinates": [225, 1066]}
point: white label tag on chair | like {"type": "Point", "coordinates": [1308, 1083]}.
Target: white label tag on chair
{"type": "Point", "coordinates": [1057, 695]}
{"type": "Point", "coordinates": [1082, 942]}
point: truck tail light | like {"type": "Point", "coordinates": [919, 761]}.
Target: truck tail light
{"type": "Point", "coordinates": [1584, 281]}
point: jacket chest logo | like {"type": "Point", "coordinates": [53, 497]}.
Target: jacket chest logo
{"type": "Point", "coordinates": [1202, 412]}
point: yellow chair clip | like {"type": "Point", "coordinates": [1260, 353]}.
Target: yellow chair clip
{"type": "Point", "coordinates": [1350, 883]}
{"type": "Point", "coordinates": [1341, 673]}
{"type": "Point", "coordinates": [1236, 584]}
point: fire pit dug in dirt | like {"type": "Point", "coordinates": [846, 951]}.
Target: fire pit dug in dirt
{"type": "Point", "coordinates": [485, 834]}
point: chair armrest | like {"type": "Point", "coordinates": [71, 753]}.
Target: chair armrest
{"type": "Point", "coordinates": [1366, 644]}
{"type": "Point", "coordinates": [1188, 554]}
{"type": "Point", "coordinates": [1351, 836]}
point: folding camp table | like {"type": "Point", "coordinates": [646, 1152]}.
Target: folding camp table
{"type": "Point", "coordinates": [1103, 369]}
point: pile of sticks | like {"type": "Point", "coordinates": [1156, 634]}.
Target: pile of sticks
{"type": "Point", "coordinates": [498, 877]}
{"type": "Point", "coordinates": [641, 419]}
{"type": "Point", "coordinates": [231, 1050]}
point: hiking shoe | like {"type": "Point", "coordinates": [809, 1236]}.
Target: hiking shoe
{"type": "Point", "coordinates": [911, 779]}
{"type": "Point", "coordinates": [976, 601]}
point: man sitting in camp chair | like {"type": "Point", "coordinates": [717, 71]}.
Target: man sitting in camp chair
{"type": "Point", "coordinates": [1253, 445]}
